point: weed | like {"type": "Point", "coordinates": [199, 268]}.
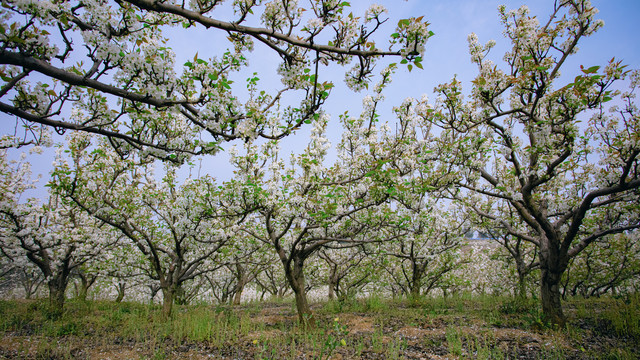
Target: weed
{"type": "Point", "coordinates": [334, 338]}
{"type": "Point", "coordinates": [53, 350]}
{"type": "Point", "coordinates": [396, 349]}
{"type": "Point", "coordinates": [483, 346]}
{"type": "Point", "coordinates": [624, 316]}
{"type": "Point", "coordinates": [375, 303]}
{"type": "Point", "coordinates": [536, 320]}
{"type": "Point", "coordinates": [376, 338]}
{"type": "Point", "coordinates": [518, 306]}
{"type": "Point", "coordinates": [358, 347]}
{"type": "Point", "coordinates": [454, 341]}
{"type": "Point", "coordinates": [222, 327]}
{"type": "Point", "coordinates": [334, 306]}
{"type": "Point", "coordinates": [159, 354]}
{"type": "Point", "coordinates": [620, 354]}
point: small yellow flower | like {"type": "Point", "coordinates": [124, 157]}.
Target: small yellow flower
{"type": "Point", "coordinates": [336, 319]}
{"type": "Point", "coordinates": [255, 342]}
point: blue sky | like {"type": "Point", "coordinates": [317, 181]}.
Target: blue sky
{"type": "Point", "coordinates": [446, 55]}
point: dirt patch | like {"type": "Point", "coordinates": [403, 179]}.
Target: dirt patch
{"type": "Point", "coordinates": [358, 324]}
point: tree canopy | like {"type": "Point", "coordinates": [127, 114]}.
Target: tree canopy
{"type": "Point", "coordinates": [547, 166]}
{"type": "Point", "coordinates": [104, 67]}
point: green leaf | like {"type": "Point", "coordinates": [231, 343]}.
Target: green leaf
{"type": "Point", "coordinates": [403, 23]}
{"type": "Point", "coordinates": [592, 70]}
{"type": "Point", "coordinates": [189, 64]}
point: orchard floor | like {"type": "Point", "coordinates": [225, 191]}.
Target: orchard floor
{"type": "Point", "coordinates": [460, 328]}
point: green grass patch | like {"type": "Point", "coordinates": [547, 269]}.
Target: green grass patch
{"type": "Point", "coordinates": [458, 326]}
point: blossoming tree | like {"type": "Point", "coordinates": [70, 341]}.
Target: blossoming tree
{"type": "Point", "coordinates": [611, 264]}
{"type": "Point", "coordinates": [307, 206]}
{"type": "Point", "coordinates": [175, 228]}
{"type": "Point", "coordinates": [54, 237]}
{"type": "Point", "coordinates": [106, 68]}
{"type": "Point", "coordinates": [428, 251]}
{"type": "Point", "coordinates": [350, 270]}
{"type": "Point", "coordinates": [516, 250]}
{"type": "Point", "coordinates": [548, 146]}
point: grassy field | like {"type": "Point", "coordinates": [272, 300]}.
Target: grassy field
{"type": "Point", "coordinates": [453, 328]}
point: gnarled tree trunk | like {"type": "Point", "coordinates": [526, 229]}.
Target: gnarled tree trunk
{"type": "Point", "coordinates": [57, 288]}
{"type": "Point", "coordinates": [333, 283]}
{"type": "Point", "coordinates": [86, 281]}
{"type": "Point", "coordinates": [415, 285]}
{"type": "Point", "coordinates": [121, 289]}
{"type": "Point", "coordinates": [242, 280]}
{"type": "Point", "coordinates": [167, 300]}
{"type": "Point", "coordinates": [553, 264]}
{"type": "Point", "coordinates": [295, 276]}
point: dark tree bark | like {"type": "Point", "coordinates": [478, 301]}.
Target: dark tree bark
{"type": "Point", "coordinates": [121, 287]}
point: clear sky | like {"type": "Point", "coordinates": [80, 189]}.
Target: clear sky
{"type": "Point", "coordinates": [446, 55]}
{"type": "Point", "coordinates": [447, 52]}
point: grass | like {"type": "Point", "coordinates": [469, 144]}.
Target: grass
{"type": "Point", "coordinates": [375, 328]}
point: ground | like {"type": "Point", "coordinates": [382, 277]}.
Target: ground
{"type": "Point", "coordinates": [488, 327]}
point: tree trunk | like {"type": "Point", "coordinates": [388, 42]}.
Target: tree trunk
{"type": "Point", "coordinates": [295, 276]}
{"type": "Point", "coordinates": [414, 292]}
{"type": "Point", "coordinates": [85, 284]}
{"type": "Point", "coordinates": [167, 301]}
{"type": "Point", "coordinates": [551, 298]}
{"type": "Point", "coordinates": [180, 296]}
{"type": "Point", "coordinates": [522, 286]}
{"type": "Point", "coordinates": [332, 284]}
{"type": "Point", "coordinates": [242, 280]}
{"type": "Point", "coordinates": [57, 289]}
{"type": "Point", "coordinates": [552, 266]}
{"type": "Point", "coordinates": [121, 288]}
{"type": "Point", "coordinates": [154, 290]}
{"type": "Point", "coordinates": [414, 286]}
{"type": "Point", "coordinates": [237, 297]}
{"type": "Point", "coordinates": [305, 316]}
{"type": "Point", "coordinates": [417, 271]}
